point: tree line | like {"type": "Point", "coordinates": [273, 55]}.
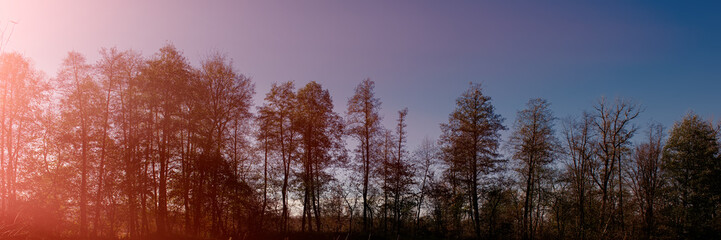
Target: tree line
{"type": "Point", "coordinates": [134, 147]}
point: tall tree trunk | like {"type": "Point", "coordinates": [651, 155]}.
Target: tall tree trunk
{"type": "Point", "coordinates": [366, 171]}
{"type": "Point", "coordinates": [286, 173]}
{"type": "Point", "coordinates": [265, 184]}
{"type": "Point", "coordinates": [101, 165]}
{"type": "Point", "coordinates": [185, 168]}
{"type": "Point", "coordinates": [162, 180]}
{"type": "Point", "coordinates": [316, 196]}
{"type": "Point", "coordinates": [83, 178]}
{"type": "Point", "coordinates": [420, 197]}
{"type": "Point", "coordinates": [620, 196]}
{"type": "Point", "coordinates": [527, 219]}
{"type": "Point", "coordinates": [474, 199]}
{"type": "Point", "coordinates": [474, 190]}
{"type": "Point", "coordinates": [3, 163]}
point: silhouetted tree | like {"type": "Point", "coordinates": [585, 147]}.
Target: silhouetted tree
{"type": "Point", "coordinates": [364, 124]}
{"type": "Point", "coordinates": [276, 124]}
{"type": "Point", "coordinates": [426, 157]}
{"type": "Point", "coordinates": [134, 148]}
{"type": "Point", "coordinates": [692, 166]}
{"type": "Point", "coordinates": [580, 148]}
{"type": "Point", "coordinates": [612, 123]}
{"type": "Point", "coordinates": [533, 144]}
{"type": "Point", "coordinates": [109, 69]}
{"type": "Point", "coordinates": [320, 130]}
{"type": "Point", "coordinates": [647, 178]}
{"type": "Point", "coordinates": [469, 142]}
{"type": "Point", "coordinates": [166, 83]}
{"type": "Point", "coordinates": [80, 106]}
{"type": "Point", "coordinates": [400, 173]}
{"type": "Point", "coordinates": [225, 97]}
{"type": "Point", "coordinates": [23, 94]}
{"type": "Point", "coordinates": [127, 118]}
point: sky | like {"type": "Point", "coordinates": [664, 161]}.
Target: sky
{"type": "Point", "coordinates": [664, 55]}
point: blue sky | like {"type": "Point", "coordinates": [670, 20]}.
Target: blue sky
{"type": "Point", "coordinates": [665, 55]}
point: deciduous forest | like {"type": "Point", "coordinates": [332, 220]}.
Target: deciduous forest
{"type": "Point", "coordinates": [156, 147]}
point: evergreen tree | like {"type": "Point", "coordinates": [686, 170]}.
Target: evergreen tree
{"type": "Point", "coordinates": [692, 166]}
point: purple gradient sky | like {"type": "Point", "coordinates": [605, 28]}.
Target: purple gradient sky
{"type": "Point", "coordinates": [422, 54]}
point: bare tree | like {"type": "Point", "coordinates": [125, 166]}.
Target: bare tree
{"type": "Point", "coordinates": [580, 147]}
{"type": "Point", "coordinates": [426, 159]}
{"type": "Point", "coordinates": [166, 83]}
{"type": "Point", "coordinates": [364, 124]}
{"type": "Point", "coordinates": [23, 92]}
{"type": "Point", "coordinates": [612, 123]}
{"type": "Point", "coordinates": [225, 96]}
{"type": "Point", "coordinates": [81, 98]}
{"type": "Point", "coordinates": [109, 69]}
{"type": "Point", "coordinates": [470, 141]}
{"type": "Point", "coordinates": [399, 171]}
{"type": "Point", "coordinates": [320, 131]}
{"type": "Point", "coordinates": [533, 144]}
{"type": "Point", "coordinates": [647, 179]}
{"type": "Point", "coordinates": [275, 121]}
{"type": "Point", "coordinates": [127, 118]}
